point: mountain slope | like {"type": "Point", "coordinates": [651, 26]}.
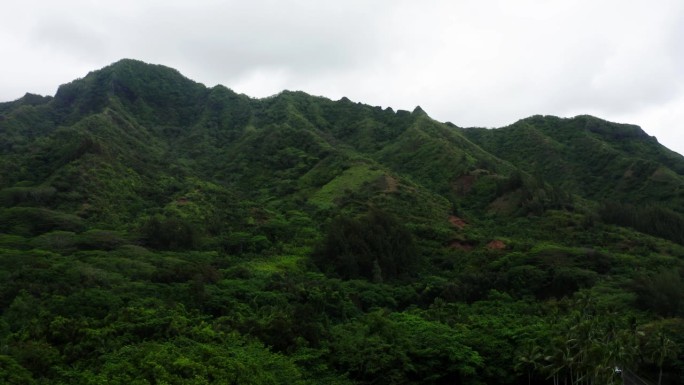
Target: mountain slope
{"type": "Point", "coordinates": [154, 230]}
{"type": "Point", "coordinates": [591, 157]}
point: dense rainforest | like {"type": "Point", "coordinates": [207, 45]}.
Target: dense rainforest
{"type": "Point", "coordinates": [157, 231]}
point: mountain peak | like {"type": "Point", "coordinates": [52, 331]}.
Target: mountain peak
{"type": "Point", "coordinates": [612, 130]}
{"type": "Point", "coordinates": [418, 111]}
{"type": "Point", "coordinates": [140, 67]}
{"type": "Point", "coordinates": [137, 85]}
{"type": "Point", "coordinates": [605, 129]}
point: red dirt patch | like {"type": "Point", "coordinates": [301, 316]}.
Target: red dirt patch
{"type": "Point", "coordinates": [460, 246]}
{"type": "Point", "coordinates": [496, 245]}
{"type": "Point", "coordinates": [457, 222]}
{"type": "Point", "coordinates": [182, 201]}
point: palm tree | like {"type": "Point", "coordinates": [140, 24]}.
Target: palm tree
{"type": "Point", "coordinates": [529, 360]}
{"type": "Point", "coordinates": [557, 357]}
{"type": "Point", "coordinates": [661, 348]}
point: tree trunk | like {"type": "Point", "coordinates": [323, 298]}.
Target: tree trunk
{"type": "Point", "coordinates": [660, 375]}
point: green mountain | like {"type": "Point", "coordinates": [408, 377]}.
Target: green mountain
{"type": "Point", "coordinates": [590, 157]}
{"type": "Point", "coordinates": [154, 230]}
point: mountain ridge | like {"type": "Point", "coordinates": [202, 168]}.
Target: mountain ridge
{"type": "Point", "coordinates": [149, 114]}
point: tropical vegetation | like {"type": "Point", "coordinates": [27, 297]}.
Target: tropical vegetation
{"type": "Point", "coordinates": [157, 231]}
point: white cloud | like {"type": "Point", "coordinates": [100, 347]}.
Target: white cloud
{"type": "Point", "coordinates": [485, 63]}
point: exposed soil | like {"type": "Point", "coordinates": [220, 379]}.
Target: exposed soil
{"type": "Point", "coordinates": [458, 245]}
{"type": "Point", "coordinates": [457, 222]}
{"type": "Point", "coordinates": [496, 245]}
{"type": "Point", "coordinates": [182, 201]}
{"type": "Point", "coordinates": [392, 184]}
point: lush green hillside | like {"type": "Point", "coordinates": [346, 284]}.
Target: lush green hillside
{"type": "Point", "coordinates": [157, 231]}
{"type": "Point", "coordinates": [591, 157]}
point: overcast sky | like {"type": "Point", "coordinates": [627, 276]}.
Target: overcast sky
{"type": "Point", "coordinates": [475, 63]}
